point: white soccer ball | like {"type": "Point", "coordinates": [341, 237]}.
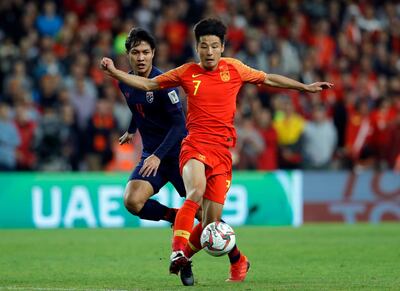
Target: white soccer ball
{"type": "Point", "coordinates": [217, 238]}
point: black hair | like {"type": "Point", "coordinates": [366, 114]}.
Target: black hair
{"type": "Point", "coordinates": [137, 35]}
{"type": "Point", "coordinates": [210, 26]}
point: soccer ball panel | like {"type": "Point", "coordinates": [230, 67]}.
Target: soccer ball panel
{"type": "Point", "coordinates": [217, 238]}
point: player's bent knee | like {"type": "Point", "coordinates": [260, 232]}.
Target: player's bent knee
{"type": "Point", "coordinates": [195, 195]}
{"type": "Point", "coordinates": [136, 195]}
{"type": "Point", "coordinates": [133, 202]}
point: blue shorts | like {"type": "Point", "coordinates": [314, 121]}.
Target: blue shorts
{"type": "Point", "coordinates": [168, 171]}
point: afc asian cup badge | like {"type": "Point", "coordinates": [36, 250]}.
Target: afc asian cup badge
{"type": "Point", "coordinates": [150, 97]}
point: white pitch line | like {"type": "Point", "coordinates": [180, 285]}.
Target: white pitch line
{"type": "Point", "coordinates": [55, 289]}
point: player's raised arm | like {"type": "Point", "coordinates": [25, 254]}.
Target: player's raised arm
{"type": "Point", "coordinates": [280, 81]}
{"type": "Point", "coordinates": [142, 83]}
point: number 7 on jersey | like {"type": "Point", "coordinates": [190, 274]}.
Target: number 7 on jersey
{"type": "Point", "coordinates": [196, 86]}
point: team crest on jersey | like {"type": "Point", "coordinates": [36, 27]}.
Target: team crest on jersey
{"type": "Point", "coordinates": [225, 76]}
{"type": "Point", "coordinates": [150, 97]}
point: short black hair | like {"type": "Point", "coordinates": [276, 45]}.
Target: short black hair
{"type": "Point", "coordinates": [137, 35]}
{"type": "Point", "coordinates": [210, 26]}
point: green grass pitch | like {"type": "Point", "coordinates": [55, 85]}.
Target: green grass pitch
{"type": "Point", "coordinates": [312, 257]}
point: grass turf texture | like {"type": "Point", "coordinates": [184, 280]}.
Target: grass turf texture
{"type": "Point", "coordinates": [312, 257]}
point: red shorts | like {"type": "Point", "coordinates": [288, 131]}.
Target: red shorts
{"type": "Point", "coordinates": [218, 162]}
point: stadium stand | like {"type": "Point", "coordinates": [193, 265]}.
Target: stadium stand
{"type": "Point", "coordinates": [50, 80]}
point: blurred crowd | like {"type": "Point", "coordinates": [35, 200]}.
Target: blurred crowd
{"type": "Point", "coordinates": [59, 112]}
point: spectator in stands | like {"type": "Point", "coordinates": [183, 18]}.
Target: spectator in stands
{"type": "Point", "coordinates": [107, 12]}
{"type": "Point", "coordinates": [26, 156]}
{"type": "Point", "coordinates": [83, 94]}
{"type": "Point", "coordinates": [19, 79]}
{"type": "Point", "coordinates": [270, 39]}
{"type": "Point", "coordinates": [9, 139]}
{"type": "Point", "coordinates": [120, 110]}
{"type": "Point", "coordinates": [319, 140]}
{"type": "Point", "coordinates": [79, 7]}
{"type": "Point", "coordinates": [355, 44]}
{"type": "Point", "coordinates": [144, 15]}
{"type": "Point", "coordinates": [173, 29]}
{"type": "Point", "coordinates": [78, 71]}
{"type": "Point", "coordinates": [48, 90]}
{"type": "Point", "coordinates": [251, 54]}
{"type": "Point", "coordinates": [126, 156]}
{"type": "Point", "coordinates": [98, 134]}
{"type": "Point", "coordinates": [249, 144]}
{"type": "Point", "coordinates": [49, 142]}
{"type": "Point", "coordinates": [358, 151]}
{"type": "Point", "coordinates": [48, 22]}
{"type": "Point", "coordinates": [382, 119]}
{"type": "Point", "coordinates": [8, 55]}
{"type": "Point", "coordinates": [290, 56]}
{"type": "Point", "coordinates": [235, 36]}
{"type": "Point", "coordinates": [368, 21]}
{"type": "Point", "coordinates": [162, 59]}
{"type": "Point", "coordinates": [72, 138]}
{"type": "Point", "coordinates": [48, 64]}
{"type": "Point", "coordinates": [324, 44]}
{"type": "Point", "coordinates": [394, 132]}
{"type": "Point", "coordinates": [289, 126]}
{"type": "Point", "coordinates": [268, 158]}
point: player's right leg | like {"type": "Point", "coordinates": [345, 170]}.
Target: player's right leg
{"type": "Point", "coordinates": [193, 175]}
{"type": "Point", "coordinates": [137, 202]}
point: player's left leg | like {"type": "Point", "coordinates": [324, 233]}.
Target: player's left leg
{"type": "Point", "coordinates": [137, 202]}
{"type": "Point", "coordinates": [193, 246]}
{"type": "Point", "coordinates": [214, 198]}
{"type": "Point", "coordinates": [138, 191]}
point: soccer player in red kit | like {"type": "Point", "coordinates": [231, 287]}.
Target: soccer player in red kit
{"type": "Point", "coordinates": [205, 161]}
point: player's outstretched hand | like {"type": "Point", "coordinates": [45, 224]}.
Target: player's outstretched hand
{"type": "Point", "coordinates": [107, 65]}
{"type": "Point", "coordinates": [150, 166]}
{"type": "Point", "coordinates": [126, 138]}
{"type": "Point", "coordinates": [318, 86]}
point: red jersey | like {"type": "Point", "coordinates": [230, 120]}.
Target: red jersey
{"type": "Point", "coordinates": [211, 97]}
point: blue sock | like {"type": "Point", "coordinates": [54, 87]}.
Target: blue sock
{"type": "Point", "coordinates": [154, 210]}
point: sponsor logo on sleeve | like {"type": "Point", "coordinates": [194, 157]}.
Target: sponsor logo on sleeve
{"type": "Point", "coordinates": [173, 97]}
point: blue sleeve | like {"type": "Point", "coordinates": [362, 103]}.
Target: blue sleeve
{"type": "Point", "coordinates": [178, 127]}
{"type": "Point", "coordinates": [132, 126]}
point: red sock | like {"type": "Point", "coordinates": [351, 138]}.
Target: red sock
{"type": "Point", "coordinates": [183, 224]}
{"type": "Point", "coordinates": [234, 255]}
{"type": "Point", "coordinates": [193, 245]}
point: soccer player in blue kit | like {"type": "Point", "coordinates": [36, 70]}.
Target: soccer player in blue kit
{"type": "Point", "coordinates": [160, 120]}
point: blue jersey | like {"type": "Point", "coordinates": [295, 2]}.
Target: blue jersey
{"type": "Point", "coordinates": [159, 118]}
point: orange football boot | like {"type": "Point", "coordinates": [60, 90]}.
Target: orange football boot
{"type": "Point", "coordinates": [238, 271]}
